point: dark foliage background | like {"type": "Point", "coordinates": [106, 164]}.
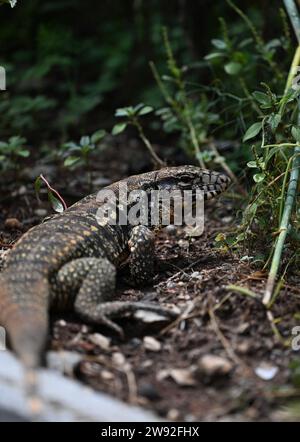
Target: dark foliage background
{"type": "Point", "coordinates": [71, 63]}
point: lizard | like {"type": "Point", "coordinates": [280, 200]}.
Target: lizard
{"type": "Point", "coordinates": [71, 261]}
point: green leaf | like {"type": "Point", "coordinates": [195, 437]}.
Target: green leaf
{"type": "Point", "coordinates": [118, 128]}
{"type": "Point", "coordinates": [23, 153]}
{"type": "Point", "coordinates": [70, 161]}
{"type": "Point", "coordinates": [261, 97]}
{"type": "Point", "coordinates": [295, 372]}
{"type": "Point", "coordinates": [214, 55]}
{"type": "Point", "coordinates": [296, 133]}
{"type": "Point", "coordinates": [218, 43]}
{"type": "Point", "coordinates": [55, 203]}
{"type": "Point", "coordinates": [11, 2]}
{"type": "Point", "coordinates": [98, 135]}
{"type": "Point", "coordinates": [145, 110]}
{"type": "Point", "coordinates": [252, 164]}
{"type": "Point", "coordinates": [232, 68]}
{"type": "Point", "coordinates": [124, 112]}
{"type": "Point", "coordinates": [259, 177]}
{"type": "Point", "coordinates": [17, 141]}
{"type": "Point", "coordinates": [252, 131]}
{"type": "Point", "coordinates": [274, 120]}
{"type": "Point", "coordinates": [85, 140]}
{"type": "Point", "coordinates": [37, 185]}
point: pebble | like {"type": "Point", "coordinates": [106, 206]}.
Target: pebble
{"type": "Point", "coordinates": [100, 340]}
{"type": "Point", "coordinates": [118, 358]}
{"type": "Point", "coordinates": [212, 365]}
{"type": "Point", "coordinates": [13, 224]}
{"type": "Point", "coordinates": [151, 343]}
{"type": "Point", "coordinates": [266, 371]}
{"type": "Point", "coordinates": [171, 229]}
{"type": "Point", "coordinates": [101, 182]}
{"type": "Point", "coordinates": [106, 375]}
{"type": "Point", "coordinates": [182, 376]}
{"type": "Point", "coordinates": [196, 275]}
{"type": "Point", "coordinates": [40, 212]}
{"type": "Point", "coordinates": [173, 414]}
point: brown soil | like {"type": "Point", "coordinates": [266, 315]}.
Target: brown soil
{"type": "Point", "coordinates": [170, 375]}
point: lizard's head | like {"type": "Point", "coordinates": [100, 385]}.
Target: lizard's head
{"type": "Point", "coordinates": [192, 178]}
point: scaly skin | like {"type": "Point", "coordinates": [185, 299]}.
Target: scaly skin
{"type": "Point", "coordinates": [71, 261]}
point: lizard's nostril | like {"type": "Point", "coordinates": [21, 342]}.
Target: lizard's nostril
{"type": "Point", "coordinates": [224, 179]}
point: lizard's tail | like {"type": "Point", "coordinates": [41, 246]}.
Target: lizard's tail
{"type": "Point", "coordinates": [24, 316]}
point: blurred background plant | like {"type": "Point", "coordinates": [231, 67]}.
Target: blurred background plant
{"type": "Point", "coordinates": [68, 71]}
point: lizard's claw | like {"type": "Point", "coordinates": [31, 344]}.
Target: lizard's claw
{"type": "Point", "coordinates": [121, 309]}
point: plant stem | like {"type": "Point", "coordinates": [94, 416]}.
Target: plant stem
{"type": "Point", "coordinates": [257, 37]}
{"type": "Point", "coordinates": [294, 175]}
{"type": "Point", "coordinates": [291, 75]}
{"type": "Point", "coordinates": [195, 142]}
{"type": "Point", "coordinates": [157, 161]}
{"type": "Point", "coordinates": [250, 97]}
{"type": "Point", "coordinates": [174, 105]}
{"type": "Point", "coordinates": [289, 202]}
{"type": "Point", "coordinates": [222, 162]}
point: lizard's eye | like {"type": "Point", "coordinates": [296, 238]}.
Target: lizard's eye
{"type": "Point", "coordinates": [185, 181]}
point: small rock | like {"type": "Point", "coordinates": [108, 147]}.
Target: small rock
{"type": "Point", "coordinates": [101, 182]}
{"type": "Point", "coordinates": [171, 284]}
{"type": "Point", "coordinates": [227, 219]}
{"type": "Point", "coordinates": [212, 365]}
{"type": "Point", "coordinates": [100, 340]}
{"type": "Point", "coordinates": [118, 358]}
{"type": "Point", "coordinates": [183, 243]}
{"type": "Point", "coordinates": [242, 328]}
{"type": "Point", "coordinates": [196, 275]}
{"type": "Point", "coordinates": [266, 371]}
{"type": "Point", "coordinates": [40, 212]}
{"type": "Point", "coordinates": [21, 191]}
{"type": "Point", "coordinates": [149, 317]}
{"type": "Point", "coordinates": [147, 363]}
{"type": "Point", "coordinates": [106, 375]}
{"type": "Point", "coordinates": [171, 229]}
{"type": "Point", "coordinates": [244, 348]}
{"type": "Point", "coordinates": [13, 224]}
{"type": "Point", "coordinates": [151, 344]}
{"type": "Point", "coordinates": [182, 376]}
{"type": "Point", "coordinates": [173, 414]}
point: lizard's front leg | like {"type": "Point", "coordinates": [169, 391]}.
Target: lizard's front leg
{"type": "Point", "coordinates": [141, 258]}
{"type": "Point", "coordinates": [94, 281]}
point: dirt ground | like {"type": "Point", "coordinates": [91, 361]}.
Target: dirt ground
{"type": "Point", "coordinates": [222, 359]}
